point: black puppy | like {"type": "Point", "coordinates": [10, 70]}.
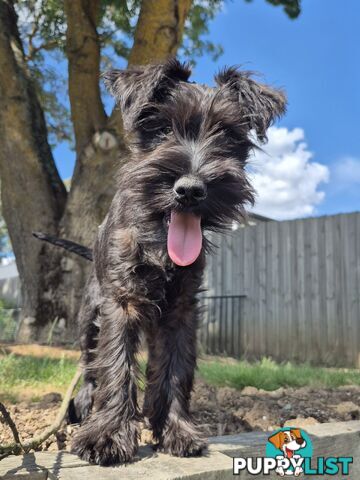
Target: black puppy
{"type": "Point", "coordinates": [189, 145]}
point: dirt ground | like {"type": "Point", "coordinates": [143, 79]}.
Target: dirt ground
{"type": "Point", "coordinates": [218, 411]}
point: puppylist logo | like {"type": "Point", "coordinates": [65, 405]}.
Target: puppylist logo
{"type": "Point", "coordinates": [289, 451]}
{"type": "Point", "coordinates": [294, 445]}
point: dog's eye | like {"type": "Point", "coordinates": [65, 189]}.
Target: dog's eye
{"type": "Point", "coordinates": [165, 130]}
{"type": "Point", "coordinates": [233, 135]}
{"type": "Point", "coordinates": [286, 440]}
{"type": "Point", "coordinates": [155, 125]}
{"type": "Point", "coordinates": [151, 121]}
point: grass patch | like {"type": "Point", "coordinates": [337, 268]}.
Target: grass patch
{"type": "Point", "coordinates": [269, 375]}
{"type": "Point", "coordinates": [29, 377]}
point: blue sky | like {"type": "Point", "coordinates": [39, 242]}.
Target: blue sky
{"type": "Point", "coordinates": [315, 58]}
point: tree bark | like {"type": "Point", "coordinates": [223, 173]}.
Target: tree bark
{"type": "Point", "coordinates": [158, 34]}
{"type": "Point", "coordinates": [33, 195]}
{"type": "Point", "coordinates": [159, 30]}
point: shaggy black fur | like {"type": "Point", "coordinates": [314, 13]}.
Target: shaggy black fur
{"type": "Point", "coordinates": [176, 130]}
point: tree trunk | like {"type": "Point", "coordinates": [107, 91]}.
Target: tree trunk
{"type": "Point", "coordinates": [100, 144]}
{"type": "Point", "coordinates": [33, 195]}
{"type": "Point", "coordinates": [159, 30]}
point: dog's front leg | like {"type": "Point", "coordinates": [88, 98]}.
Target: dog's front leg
{"type": "Point", "coordinates": [170, 374]}
{"type": "Point", "coordinates": [110, 434]}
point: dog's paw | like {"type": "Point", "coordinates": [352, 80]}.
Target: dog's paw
{"type": "Point", "coordinates": [102, 448]}
{"type": "Point", "coordinates": [182, 440]}
{"type": "Point", "coordinates": [108, 452]}
{"type": "Point", "coordinates": [184, 447]}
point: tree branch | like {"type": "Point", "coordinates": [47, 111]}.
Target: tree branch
{"type": "Point", "coordinates": [93, 183]}
{"type": "Point", "coordinates": [33, 32]}
{"type": "Point", "coordinates": [83, 51]}
{"type": "Point", "coordinates": [7, 418]}
{"type": "Point", "coordinates": [37, 441]}
{"type": "Point", "coordinates": [18, 447]}
{"type": "Point", "coordinates": [158, 35]}
{"type": "Point", "coordinates": [43, 46]}
{"type": "Point", "coordinates": [159, 30]}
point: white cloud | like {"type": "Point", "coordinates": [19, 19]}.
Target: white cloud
{"type": "Point", "coordinates": [284, 177]}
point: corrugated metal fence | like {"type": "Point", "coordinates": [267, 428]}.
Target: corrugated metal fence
{"type": "Point", "coordinates": [288, 290]}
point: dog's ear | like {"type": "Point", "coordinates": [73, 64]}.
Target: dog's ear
{"type": "Point", "coordinates": [296, 432]}
{"type": "Point", "coordinates": [277, 439]}
{"type": "Point", "coordinates": [260, 104]}
{"type": "Point", "coordinates": [137, 87]}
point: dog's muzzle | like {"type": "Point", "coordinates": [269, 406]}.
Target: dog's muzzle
{"type": "Point", "coordinates": [189, 190]}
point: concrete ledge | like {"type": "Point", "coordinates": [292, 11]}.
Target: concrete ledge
{"type": "Point", "coordinates": [332, 439]}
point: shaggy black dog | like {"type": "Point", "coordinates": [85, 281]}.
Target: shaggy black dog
{"type": "Point", "coordinates": [189, 145]}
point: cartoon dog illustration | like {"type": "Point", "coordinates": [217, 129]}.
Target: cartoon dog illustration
{"type": "Point", "coordinates": [288, 442]}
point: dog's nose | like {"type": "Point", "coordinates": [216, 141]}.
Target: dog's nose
{"type": "Point", "coordinates": [189, 190]}
{"type": "Point", "coordinates": [300, 441]}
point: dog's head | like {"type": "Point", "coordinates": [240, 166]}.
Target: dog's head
{"type": "Point", "coordinates": [190, 144]}
{"type": "Point", "coordinates": [288, 441]}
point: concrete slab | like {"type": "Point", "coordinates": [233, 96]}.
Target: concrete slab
{"type": "Point", "coordinates": [65, 466]}
{"type": "Point", "coordinates": [333, 439]}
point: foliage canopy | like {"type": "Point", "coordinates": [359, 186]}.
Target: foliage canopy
{"type": "Point", "coordinates": [43, 29]}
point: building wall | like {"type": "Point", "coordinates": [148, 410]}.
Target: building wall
{"type": "Point", "coordinates": [10, 284]}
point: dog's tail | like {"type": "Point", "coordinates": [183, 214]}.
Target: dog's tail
{"type": "Point", "coordinates": [66, 244]}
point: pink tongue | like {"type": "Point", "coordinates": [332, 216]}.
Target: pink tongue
{"type": "Point", "coordinates": [184, 238]}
